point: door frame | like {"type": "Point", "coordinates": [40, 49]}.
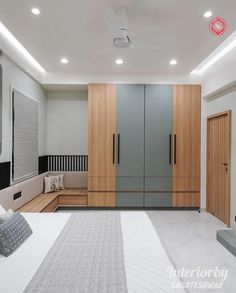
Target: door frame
{"type": "Point", "coordinates": [227, 113]}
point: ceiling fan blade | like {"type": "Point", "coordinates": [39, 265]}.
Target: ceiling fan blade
{"type": "Point", "coordinates": [102, 51]}
{"type": "Point", "coordinates": [146, 46]}
{"type": "Point", "coordinates": [113, 24]}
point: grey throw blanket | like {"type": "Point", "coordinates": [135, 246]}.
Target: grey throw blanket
{"type": "Point", "coordinates": [87, 257]}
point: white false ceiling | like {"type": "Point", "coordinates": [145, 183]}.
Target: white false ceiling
{"type": "Point", "coordinates": [75, 29]}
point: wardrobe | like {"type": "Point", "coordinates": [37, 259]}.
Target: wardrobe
{"type": "Point", "coordinates": [144, 145]}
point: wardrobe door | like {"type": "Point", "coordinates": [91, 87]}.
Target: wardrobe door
{"type": "Point", "coordinates": [186, 130]}
{"type": "Point", "coordinates": [158, 143]}
{"type": "Point", "coordinates": [130, 141]}
{"type": "Point", "coordinates": [102, 129]}
{"type": "Point", "coordinates": [129, 199]}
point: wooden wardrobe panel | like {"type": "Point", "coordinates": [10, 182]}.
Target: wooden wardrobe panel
{"type": "Point", "coordinates": [102, 126]}
{"type": "Point", "coordinates": [101, 199]}
{"type": "Point", "coordinates": [101, 183]}
{"type": "Point", "coordinates": [186, 200]}
{"type": "Point", "coordinates": [186, 184]}
{"type": "Point", "coordinates": [186, 127]}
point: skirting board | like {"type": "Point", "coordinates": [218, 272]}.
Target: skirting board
{"type": "Point", "coordinates": [228, 239]}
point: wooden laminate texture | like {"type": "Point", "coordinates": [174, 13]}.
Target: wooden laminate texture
{"type": "Point", "coordinates": [219, 174]}
{"type": "Point", "coordinates": [101, 199]}
{"type": "Point", "coordinates": [50, 201]}
{"type": "Point", "coordinates": [39, 203]}
{"type": "Point", "coordinates": [182, 200]}
{"type": "Point", "coordinates": [186, 184]}
{"type": "Point", "coordinates": [102, 127]}
{"type": "Point", "coordinates": [51, 207]}
{"type": "Point", "coordinates": [72, 200]}
{"type": "Point", "coordinates": [186, 127]}
{"type": "Point", "coordinates": [101, 184]}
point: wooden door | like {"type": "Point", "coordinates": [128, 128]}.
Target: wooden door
{"type": "Point", "coordinates": [101, 153]}
{"type": "Point", "coordinates": [186, 131]}
{"type": "Point", "coordinates": [218, 165]}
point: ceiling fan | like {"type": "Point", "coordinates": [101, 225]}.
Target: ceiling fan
{"type": "Point", "coordinates": [117, 25]}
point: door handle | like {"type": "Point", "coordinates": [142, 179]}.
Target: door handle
{"type": "Point", "coordinates": [170, 149]}
{"type": "Point", "coordinates": [226, 166]}
{"type": "Point", "coordinates": [118, 151]}
{"type": "Point", "coordinates": [113, 149]}
{"type": "Point", "coordinates": [175, 153]}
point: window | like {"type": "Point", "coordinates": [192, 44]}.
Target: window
{"type": "Point", "coordinates": [25, 115]}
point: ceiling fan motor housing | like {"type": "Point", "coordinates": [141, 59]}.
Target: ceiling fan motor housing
{"type": "Point", "coordinates": [122, 42]}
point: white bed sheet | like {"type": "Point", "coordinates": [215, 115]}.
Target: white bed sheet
{"type": "Point", "coordinates": [17, 270]}
{"type": "Point", "coordinates": [146, 261]}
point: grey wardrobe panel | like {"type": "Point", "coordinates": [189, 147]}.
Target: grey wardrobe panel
{"type": "Point", "coordinates": [130, 129]}
{"type": "Point", "coordinates": [124, 199]}
{"type": "Point", "coordinates": [129, 183]}
{"type": "Point", "coordinates": [158, 200]}
{"type": "Point", "coordinates": [158, 128]}
{"type": "Point", "coordinates": [158, 184]}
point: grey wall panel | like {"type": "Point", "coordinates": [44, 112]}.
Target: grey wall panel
{"type": "Point", "coordinates": [130, 126]}
{"type": "Point", "coordinates": [158, 200]}
{"type": "Point", "coordinates": [129, 199]}
{"type": "Point", "coordinates": [158, 184]}
{"type": "Point", "coordinates": [158, 127]}
{"type": "Point", "coordinates": [129, 183]}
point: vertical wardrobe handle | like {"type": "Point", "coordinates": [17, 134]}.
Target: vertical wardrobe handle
{"type": "Point", "coordinates": [118, 152]}
{"type": "Point", "coordinates": [175, 149]}
{"type": "Point", "coordinates": [113, 150]}
{"type": "Point", "coordinates": [170, 149]}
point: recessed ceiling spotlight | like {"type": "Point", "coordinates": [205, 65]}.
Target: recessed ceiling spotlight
{"type": "Point", "coordinates": [119, 61]}
{"type": "Point", "coordinates": [64, 60]}
{"type": "Point", "coordinates": [207, 14]}
{"type": "Point", "coordinates": [173, 62]}
{"type": "Point", "coordinates": [35, 11]}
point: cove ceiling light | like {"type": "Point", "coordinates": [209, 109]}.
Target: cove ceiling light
{"type": "Point", "coordinates": [14, 42]}
{"type": "Point", "coordinates": [228, 45]}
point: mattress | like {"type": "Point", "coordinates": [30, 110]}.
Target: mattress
{"type": "Point", "coordinates": [146, 260]}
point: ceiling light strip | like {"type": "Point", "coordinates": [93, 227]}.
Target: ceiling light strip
{"type": "Point", "coordinates": [228, 45]}
{"type": "Point", "coordinates": [9, 36]}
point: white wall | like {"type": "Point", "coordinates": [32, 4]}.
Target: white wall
{"type": "Point", "coordinates": [13, 77]}
{"type": "Point", "coordinates": [67, 123]}
{"type": "Point", "coordinates": [226, 101]}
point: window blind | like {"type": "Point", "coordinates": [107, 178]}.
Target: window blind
{"type": "Point", "coordinates": [25, 137]}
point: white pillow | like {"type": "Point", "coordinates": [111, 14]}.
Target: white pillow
{"type": "Point", "coordinates": [51, 183]}
{"type": "Point", "coordinates": [48, 187]}
{"type": "Point", "coordinates": [2, 210]}
{"type": "Point", "coordinates": [61, 181]}
{"type": "Point", "coordinates": [55, 182]}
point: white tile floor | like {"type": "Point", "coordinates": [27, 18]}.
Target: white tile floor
{"type": "Point", "coordinates": [190, 240]}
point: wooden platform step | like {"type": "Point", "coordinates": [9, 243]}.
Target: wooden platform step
{"type": "Point", "coordinates": [51, 201]}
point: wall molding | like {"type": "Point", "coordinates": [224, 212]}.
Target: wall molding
{"type": "Point", "coordinates": [73, 163]}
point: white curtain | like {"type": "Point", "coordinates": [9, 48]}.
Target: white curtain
{"type": "Point", "coordinates": [25, 137]}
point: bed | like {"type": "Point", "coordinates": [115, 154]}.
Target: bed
{"type": "Point", "coordinates": [101, 252]}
